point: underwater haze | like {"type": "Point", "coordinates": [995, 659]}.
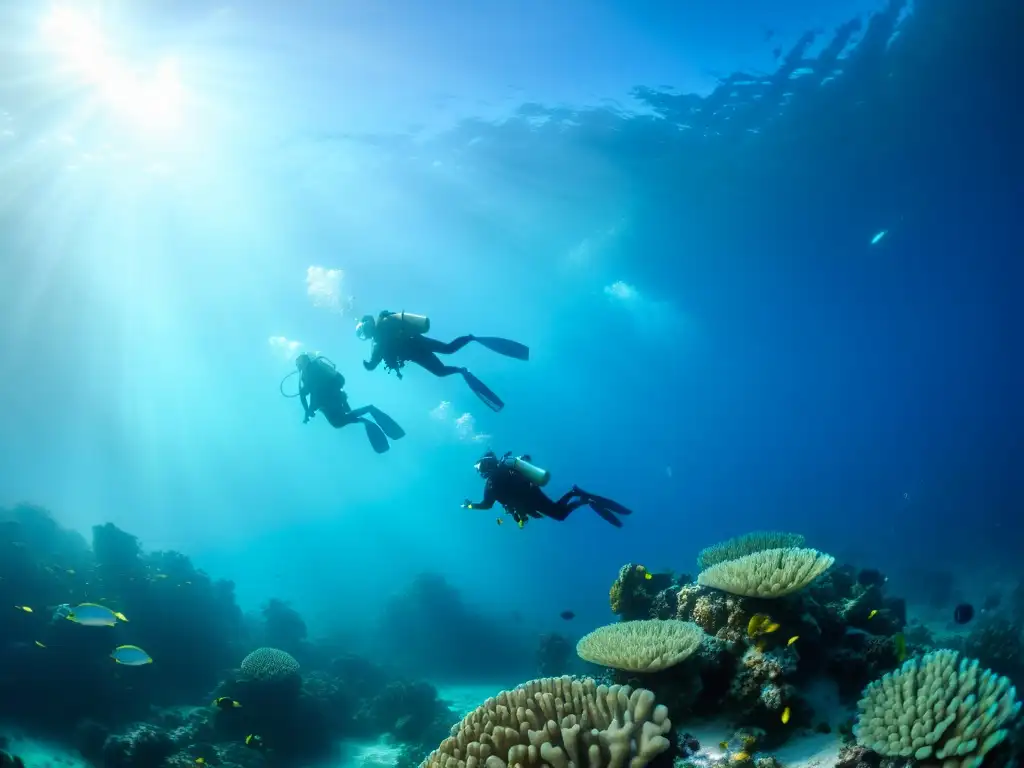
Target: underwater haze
{"type": "Point", "coordinates": [765, 257]}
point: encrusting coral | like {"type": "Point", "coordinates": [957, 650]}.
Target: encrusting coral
{"type": "Point", "coordinates": [641, 646]}
{"type": "Point", "coordinates": [769, 573]}
{"type": "Point", "coordinates": [938, 708]}
{"type": "Point", "coordinates": [559, 722]}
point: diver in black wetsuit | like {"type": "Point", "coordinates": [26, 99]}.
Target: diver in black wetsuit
{"type": "Point", "coordinates": [516, 485]}
{"type": "Point", "coordinates": [398, 338]}
{"type": "Point", "coordinates": [322, 384]}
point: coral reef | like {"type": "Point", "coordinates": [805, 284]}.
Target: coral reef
{"type": "Point", "coordinates": [937, 707]}
{"type": "Point", "coordinates": [641, 646]}
{"type": "Point", "coordinates": [637, 593]}
{"type": "Point", "coordinates": [557, 722]}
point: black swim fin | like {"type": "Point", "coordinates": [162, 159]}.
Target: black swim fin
{"type": "Point", "coordinates": [505, 347]}
{"type": "Point", "coordinates": [604, 503]}
{"type": "Point", "coordinates": [607, 515]}
{"type": "Point", "coordinates": [482, 391]}
{"type": "Point", "coordinates": [376, 436]}
{"type": "Point", "coordinates": [386, 423]}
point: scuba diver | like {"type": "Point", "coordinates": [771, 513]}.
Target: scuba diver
{"type": "Point", "coordinates": [398, 338]}
{"type": "Point", "coordinates": [322, 384]}
{"type": "Point", "coordinates": [516, 484]}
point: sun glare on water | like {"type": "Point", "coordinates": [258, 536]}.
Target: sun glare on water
{"type": "Point", "coordinates": [153, 102]}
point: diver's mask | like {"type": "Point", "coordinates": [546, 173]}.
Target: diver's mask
{"type": "Point", "coordinates": [302, 362]}
{"type": "Point", "coordinates": [365, 328]}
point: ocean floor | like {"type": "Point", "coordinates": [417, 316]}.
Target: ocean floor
{"type": "Point", "coordinates": [41, 754]}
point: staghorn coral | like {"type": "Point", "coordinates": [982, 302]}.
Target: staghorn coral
{"type": "Point", "coordinates": [747, 544]}
{"type": "Point", "coordinates": [558, 722]}
{"type": "Point", "coordinates": [641, 646]}
{"type": "Point", "coordinates": [767, 574]}
{"type": "Point", "coordinates": [938, 708]}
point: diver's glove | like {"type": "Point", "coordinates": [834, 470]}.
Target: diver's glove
{"type": "Point", "coordinates": [467, 504]}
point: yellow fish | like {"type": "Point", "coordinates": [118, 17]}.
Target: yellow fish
{"type": "Point", "coordinates": [648, 576]}
{"type": "Point", "coordinates": [756, 624]}
{"type": "Point", "coordinates": [201, 760]}
{"type": "Point", "coordinates": [900, 643]}
{"type": "Point", "coordinates": [739, 757]}
{"type": "Point", "coordinates": [793, 639]}
{"type": "Point", "coordinates": [40, 644]}
{"type": "Point", "coordinates": [785, 715]}
{"type": "Point", "coordinates": [773, 627]}
{"type": "Point", "coordinates": [498, 520]}
{"type": "Point", "coordinates": [24, 608]}
{"type": "Point", "coordinates": [521, 523]}
{"type": "Point", "coordinates": [873, 613]}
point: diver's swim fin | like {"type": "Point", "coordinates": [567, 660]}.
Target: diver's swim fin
{"type": "Point", "coordinates": [386, 423]}
{"type": "Point", "coordinates": [505, 347]}
{"type": "Point", "coordinates": [607, 515]}
{"type": "Point", "coordinates": [604, 503]}
{"type": "Point", "coordinates": [376, 436]}
{"type": "Point", "coordinates": [490, 399]}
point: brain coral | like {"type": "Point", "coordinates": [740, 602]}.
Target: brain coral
{"type": "Point", "coordinates": [558, 722]}
{"type": "Point", "coordinates": [269, 665]}
{"type": "Point", "coordinates": [641, 646]}
{"type": "Point", "coordinates": [936, 709]}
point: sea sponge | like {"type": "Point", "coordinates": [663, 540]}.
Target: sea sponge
{"type": "Point", "coordinates": [558, 722]}
{"type": "Point", "coordinates": [641, 646]}
{"type": "Point", "coordinates": [771, 573]}
{"type": "Point", "coordinates": [269, 665]}
{"type": "Point", "coordinates": [748, 543]}
{"type": "Point", "coordinates": [937, 708]}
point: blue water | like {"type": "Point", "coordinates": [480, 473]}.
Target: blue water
{"type": "Point", "coordinates": [715, 340]}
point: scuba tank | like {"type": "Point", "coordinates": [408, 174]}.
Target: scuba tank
{"type": "Point", "coordinates": [413, 323]}
{"type": "Point", "coordinates": [534, 474]}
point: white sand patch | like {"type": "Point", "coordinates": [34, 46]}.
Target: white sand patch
{"type": "Point", "coordinates": [465, 698]}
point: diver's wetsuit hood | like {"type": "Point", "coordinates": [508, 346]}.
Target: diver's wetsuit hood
{"type": "Point", "coordinates": [487, 465]}
{"type": "Point", "coordinates": [366, 327]}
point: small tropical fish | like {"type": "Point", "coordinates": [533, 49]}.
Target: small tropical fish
{"type": "Point", "coordinates": [201, 760]}
{"type": "Point", "coordinates": [723, 744]}
{"type": "Point", "coordinates": [793, 639]}
{"type": "Point", "coordinates": [900, 646]}
{"type": "Point", "coordinates": [497, 520]}
{"type": "Point", "coordinates": [648, 576]}
{"type": "Point", "coordinates": [252, 741]}
{"type": "Point", "coordinates": [963, 613]}
{"type": "Point", "coordinates": [759, 624]}
{"type": "Point", "coordinates": [130, 656]}
{"type": "Point", "coordinates": [24, 608]}
{"type": "Point", "coordinates": [739, 757]}
{"type": "Point", "coordinates": [120, 616]}
{"type": "Point", "coordinates": [522, 523]}
{"type": "Point", "coordinates": [40, 644]}
{"type": "Point", "coordinates": [873, 613]}
{"type": "Point", "coordinates": [785, 715]}
{"type": "Point", "coordinates": [567, 615]}
{"type": "Point", "coordinates": [71, 572]}
{"type": "Point", "coordinates": [93, 615]}
{"type": "Point", "coordinates": [160, 576]}
{"type": "Point", "coordinates": [226, 702]}
{"type": "Point", "coordinates": [773, 627]}
{"type": "Point", "coordinates": [878, 238]}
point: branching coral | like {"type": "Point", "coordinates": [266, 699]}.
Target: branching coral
{"type": "Point", "coordinates": [641, 646]}
{"type": "Point", "coordinates": [558, 722]}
